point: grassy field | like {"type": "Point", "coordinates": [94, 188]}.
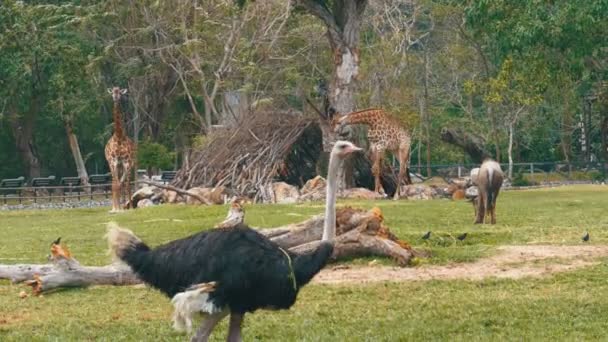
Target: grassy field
{"type": "Point", "coordinates": [565, 306]}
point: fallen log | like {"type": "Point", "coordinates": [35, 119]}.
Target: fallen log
{"type": "Point", "coordinates": [178, 190]}
{"type": "Point", "coordinates": [359, 233]}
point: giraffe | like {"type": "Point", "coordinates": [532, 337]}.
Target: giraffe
{"type": "Point", "coordinates": [384, 133]}
{"type": "Point", "coordinates": [120, 154]}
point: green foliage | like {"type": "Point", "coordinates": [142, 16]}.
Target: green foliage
{"type": "Point", "coordinates": [521, 180]}
{"type": "Point", "coordinates": [154, 155]}
{"type": "Point", "coordinates": [418, 62]}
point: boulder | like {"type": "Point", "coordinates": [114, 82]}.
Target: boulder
{"type": "Point", "coordinates": [170, 196]}
{"type": "Point", "coordinates": [474, 173]}
{"type": "Point", "coordinates": [458, 194]}
{"type": "Point", "coordinates": [472, 192]}
{"type": "Point", "coordinates": [361, 193]}
{"type": "Point", "coordinates": [284, 193]}
{"type": "Point", "coordinates": [313, 190]}
{"type": "Point", "coordinates": [146, 202]}
{"type": "Point", "coordinates": [215, 195]}
{"type": "Point", "coordinates": [420, 192]}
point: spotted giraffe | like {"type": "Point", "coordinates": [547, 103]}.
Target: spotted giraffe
{"type": "Point", "coordinates": [384, 133]}
{"type": "Point", "coordinates": [120, 154]}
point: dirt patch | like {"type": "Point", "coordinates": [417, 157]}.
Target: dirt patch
{"type": "Point", "coordinates": [510, 262]}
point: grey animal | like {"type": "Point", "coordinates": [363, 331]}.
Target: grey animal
{"type": "Point", "coordinates": [489, 182]}
{"type": "Point", "coordinates": [462, 237]}
{"type": "Point", "coordinates": [586, 237]}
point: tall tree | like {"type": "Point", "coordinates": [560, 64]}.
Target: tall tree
{"type": "Point", "coordinates": [343, 19]}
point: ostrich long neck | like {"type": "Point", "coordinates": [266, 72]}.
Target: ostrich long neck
{"type": "Point", "coordinates": [118, 130]}
{"type": "Point", "coordinates": [329, 226]}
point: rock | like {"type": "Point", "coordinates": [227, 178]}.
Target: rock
{"type": "Point", "coordinates": [284, 193]}
{"type": "Point", "coordinates": [170, 196]}
{"type": "Point", "coordinates": [313, 190]}
{"type": "Point", "coordinates": [148, 192]}
{"type": "Point", "coordinates": [458, 194]}
{"type": "Point", "coordinates": [215, 195]}
{"type": "Point", "coordinates": [474, 173]}
{"type": "Point", "coordinates": [361, 193]}
{"type": "Point", "coordinates": [146, 202]}
{"type": "Point", "coordinates": [471, 192]}
{"type": "Point", "coordinates": [420, 191]}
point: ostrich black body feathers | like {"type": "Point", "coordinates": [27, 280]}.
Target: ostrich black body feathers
{"type": "Point", "coordinates": [251, 271]}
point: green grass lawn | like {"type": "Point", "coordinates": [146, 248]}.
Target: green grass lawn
{"type": "Point", "coordinates": [565, 306]}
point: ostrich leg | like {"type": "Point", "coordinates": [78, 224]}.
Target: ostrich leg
{"type": "Point", "coordinates": [234, 331]}
{"type": "Point", "coordinates": [203, 333]}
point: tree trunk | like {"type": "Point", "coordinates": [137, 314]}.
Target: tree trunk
{"type": "Point", "coordinates": [427, 115]}
{"type": "Point", "coordinates": [491, 114]}
{"type": "Point", "coordinates": [343, 23]}
{"type": "Point", "coordinates": [566, 132]}
{"type": "Point", "coordinates": [359, 233]}
{"type": "Point", "coordinates": [510, 151]}
{"type": "Point", "coordinates": [23, 132]}
{"type": "Point", "coordinates": [75, 148]}
{"type": "Point", "coordinates": [472, 144]}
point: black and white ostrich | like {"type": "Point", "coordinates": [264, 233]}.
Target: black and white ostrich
{"type": "Point", "coordinates": [229, 270]}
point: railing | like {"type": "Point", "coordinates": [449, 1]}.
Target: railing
{"type": "Point", "coordinates": [60, 192]}
{"type": "Point", "coordinates": [535, 171]}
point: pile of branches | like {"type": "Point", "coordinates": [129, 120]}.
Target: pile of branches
{"type": "Point", "coordinates": [247, 158]}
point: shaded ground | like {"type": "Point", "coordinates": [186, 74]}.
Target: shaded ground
{"type": "Point", "coordinates": [510, 262]}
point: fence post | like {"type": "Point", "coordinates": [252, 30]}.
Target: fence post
{"type": "Point", "coordinates": [459, 171]}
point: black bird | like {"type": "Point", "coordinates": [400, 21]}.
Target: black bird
{"type": "Point", "coordinates": [586, 237]}
{"type": "Point", "coordinates": [462, 237]}
{"type": "Point", "coordinates": [230, 271]}
{"type": "Point", "coordinates": [56, 242]}
{"type": "Point", "coordinates": [426, 236]}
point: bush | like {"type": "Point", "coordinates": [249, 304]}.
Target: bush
{"type": "Point", "coordinates": [520, 180]}
{"type": "Point", "coordinates": [154, 155]}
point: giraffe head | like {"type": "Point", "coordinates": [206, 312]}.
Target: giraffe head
{"type": "Point", "coordinates": [116, 93]}
{"type": "Point", "coordinates": [337, 121]}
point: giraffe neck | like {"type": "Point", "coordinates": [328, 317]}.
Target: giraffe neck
{"type": "Point", "coordinates": [367, 117]}
{"type": "Point", "coordinates": [119, 131]}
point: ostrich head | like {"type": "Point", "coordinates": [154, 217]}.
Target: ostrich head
{"type": "Point", "coordinates": [341, 150]}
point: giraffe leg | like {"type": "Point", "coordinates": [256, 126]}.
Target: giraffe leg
{"type": "Point", "coordinates": [115, 186]}
{"type": "Point", "coordinates": [115, 195]}
{"type": "Point", "coordinates": [377, 155]}
{"type": "Point", "coordinates": [404, 157]}
{"type": "Point", "coordinates": [126, 184]}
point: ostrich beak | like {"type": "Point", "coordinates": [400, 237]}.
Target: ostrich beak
{"type": "Point", "coordinates": [354, 148]}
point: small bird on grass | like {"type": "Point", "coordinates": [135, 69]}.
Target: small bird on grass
{"type": "Point", "coordinates": [56, 242]}
{"type": "Point", "coordinates": [586, 237]}
{"type": "Point", "coordinates": [426, 236]}
{"type": "Point", "coordinates": [462, 237]}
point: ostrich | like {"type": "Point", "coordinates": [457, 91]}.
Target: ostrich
{"type": "Point", "coordinates": [229, 270]}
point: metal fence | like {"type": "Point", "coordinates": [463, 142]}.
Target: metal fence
{"type": "Point", "coordinates": [55, 193]}
{"type": "Point", "coordinates": [534, 172]}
